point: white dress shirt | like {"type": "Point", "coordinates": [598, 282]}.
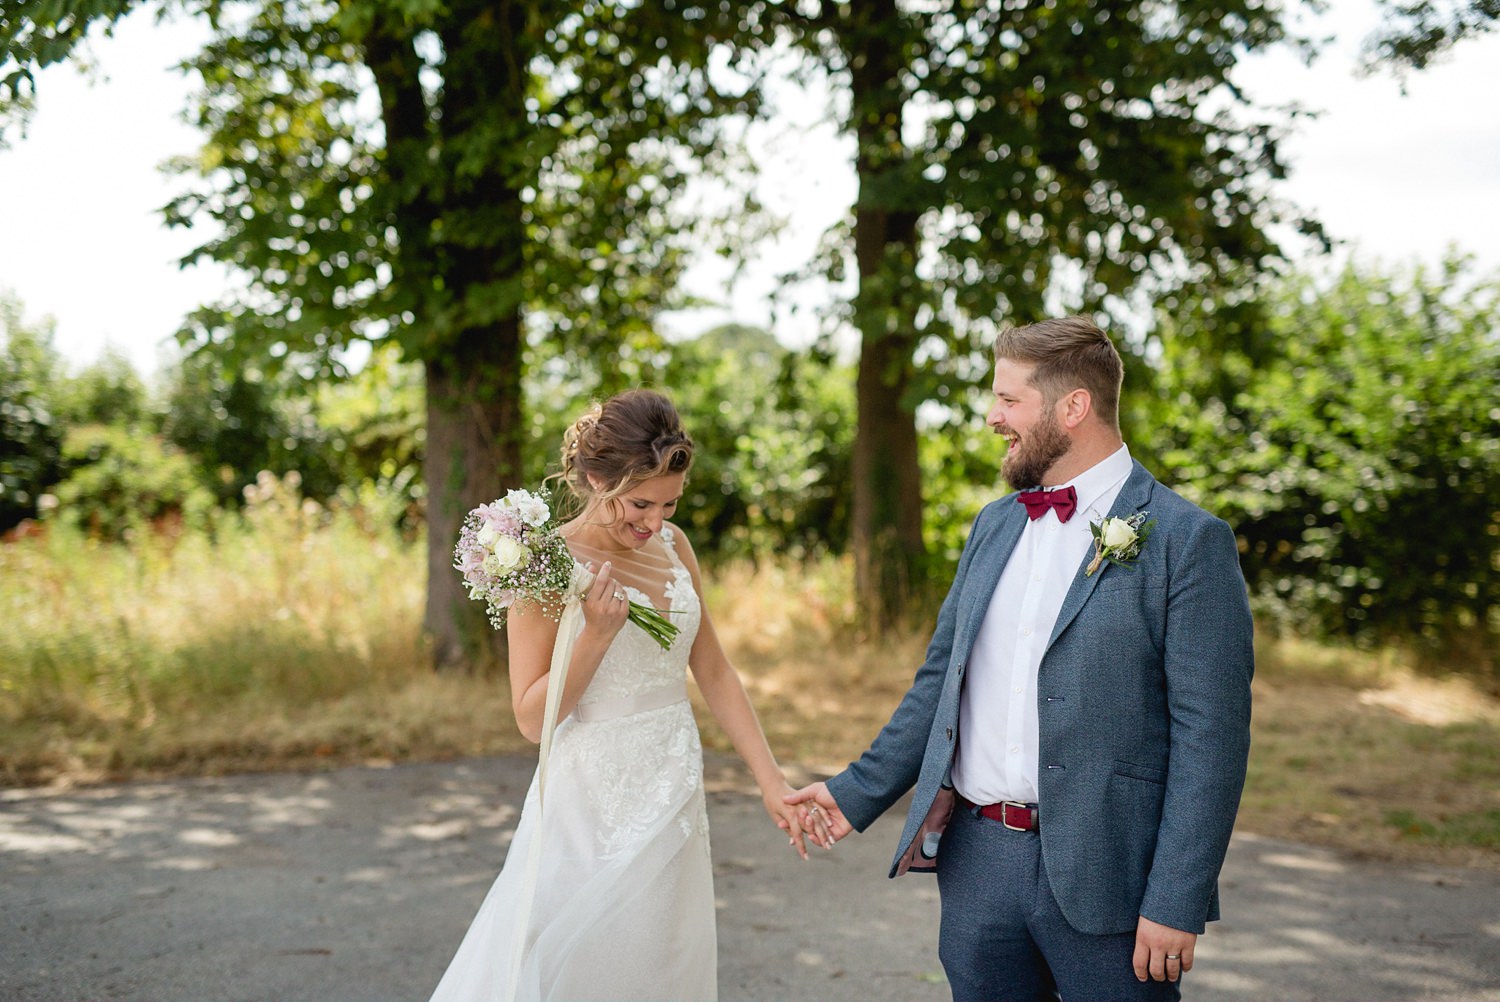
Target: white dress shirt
{"type": "Point", "coordinates": [998, 748]}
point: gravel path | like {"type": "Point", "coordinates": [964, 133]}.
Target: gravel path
{"type": "Point", "coordinates": [357, 885]}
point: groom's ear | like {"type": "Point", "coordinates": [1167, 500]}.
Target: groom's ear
{"type": "Point", "coordinates": [1074, 407]}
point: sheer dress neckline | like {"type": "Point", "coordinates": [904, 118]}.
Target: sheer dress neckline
{"type": "Point", "coordinates": [652, 574]}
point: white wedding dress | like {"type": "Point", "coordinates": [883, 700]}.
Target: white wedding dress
{"type": "Point", "coordinates": [624, 904]}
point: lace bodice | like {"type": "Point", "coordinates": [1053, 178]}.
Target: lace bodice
{"type": "Point", "coordinates": [636, 760]}
{"type": "Point", "coordinates": [635, 663]}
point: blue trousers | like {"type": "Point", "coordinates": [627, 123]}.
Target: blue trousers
{"type": "Point", "coordinates": [1003, 937]}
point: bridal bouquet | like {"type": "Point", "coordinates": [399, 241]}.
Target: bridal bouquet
{"type": "Point", "coordinates": [511, 551]}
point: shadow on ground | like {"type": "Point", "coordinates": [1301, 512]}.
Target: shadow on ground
{"type": "Point", "coordinates": [358, 884]}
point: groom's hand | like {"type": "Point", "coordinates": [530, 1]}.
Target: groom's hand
{"type": "Point", "coordinates": [1161, 952]}
{"type": "Point", "coordinates": [820, 814]}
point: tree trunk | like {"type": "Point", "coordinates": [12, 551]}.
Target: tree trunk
{"type": "Point", "coordinates": [887, 501]}
{"type": "Point", "coordinates": [474, 424]}
{"type": "Point", "coordinates": [473, 454]}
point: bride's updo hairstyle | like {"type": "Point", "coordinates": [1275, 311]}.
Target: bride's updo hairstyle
{"type": "Point", "coordinates": [631, 437]}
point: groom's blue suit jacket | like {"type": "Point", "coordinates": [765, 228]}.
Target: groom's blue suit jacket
{"type": "Point", "coordinates": [1143, 698]}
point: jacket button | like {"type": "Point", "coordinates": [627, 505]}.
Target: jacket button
{"type": "Point", "coordinates": [950, 734]}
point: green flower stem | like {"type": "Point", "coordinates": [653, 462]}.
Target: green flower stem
{"type": "Point", "coordinates": [654, 623]}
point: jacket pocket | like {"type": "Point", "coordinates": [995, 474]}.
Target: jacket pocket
{"type": "Point", "coordinates": [1130, 579]}
{"type": "Point", "coordinates": [1132, 770]}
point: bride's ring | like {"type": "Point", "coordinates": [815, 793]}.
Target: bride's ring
{"type": "Point", "coordinates": [619, 595]}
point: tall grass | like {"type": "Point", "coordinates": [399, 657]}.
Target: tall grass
{"type": "Point", "coordinates": [289, 633]}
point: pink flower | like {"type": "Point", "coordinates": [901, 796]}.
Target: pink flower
{"type": "Point", "coordinates": [500, 517]}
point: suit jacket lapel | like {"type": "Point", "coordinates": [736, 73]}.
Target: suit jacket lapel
{"type": "Point", "coordinates": [1133, 496]}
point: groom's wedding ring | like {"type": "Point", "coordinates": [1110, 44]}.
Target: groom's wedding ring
{"type": "Point", "coordinates": [1174, 956]}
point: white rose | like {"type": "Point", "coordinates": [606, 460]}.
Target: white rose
{"type": "Point", "coordinates": [1117, 533]}
{"type": "Point", "coordinates": [487, 535]}
{"type": "Point", "coordinates": [509, 556]}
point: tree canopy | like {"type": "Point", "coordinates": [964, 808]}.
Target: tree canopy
{"type": "Point", "coordinates": [1015, 161]}
{"type": "Point", "coordinates": [486, 188]}
{"type": "Point", "coordinates": [1415, 33]}
{"type": "Point", "coordinates": [420, 174]}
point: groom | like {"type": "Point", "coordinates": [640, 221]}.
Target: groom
{"type": "Point", "coordinates": [1079, 730]}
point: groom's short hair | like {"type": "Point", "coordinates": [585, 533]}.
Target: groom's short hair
{"type": "Point", "coordinates": [1068, 352]}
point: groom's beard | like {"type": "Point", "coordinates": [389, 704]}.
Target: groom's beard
{"type": "Point", "coordinates": [1028, 461]}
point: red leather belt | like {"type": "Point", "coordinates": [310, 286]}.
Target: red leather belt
{"type": "Point", "coordinates": [1016, 817]}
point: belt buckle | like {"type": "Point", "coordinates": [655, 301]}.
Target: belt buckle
{"type": "Point", "coordinates": [1005, 807]}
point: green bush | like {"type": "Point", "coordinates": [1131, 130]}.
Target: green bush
{"type": "Point", "coordinates": [30, 434]}
{"type": "Point", "coordinates": [108, 391]}
{"type": "Point", "coordinates": [123, 479]}
{"type": "Point", "coordinates": [235, 422]}
{"type": "Point", "coordinates": [1360, 462]}
{"type": "Point", "coordinates": [774, 432]}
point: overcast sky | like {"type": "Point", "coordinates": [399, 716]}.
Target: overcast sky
{"type": "Point", "coordinates": [1400, 176]}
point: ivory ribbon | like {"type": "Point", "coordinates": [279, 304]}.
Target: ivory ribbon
{"type": "Point", "coordinates": [562, 655]}
{"type": "Point", "coordinates": [627, 706]}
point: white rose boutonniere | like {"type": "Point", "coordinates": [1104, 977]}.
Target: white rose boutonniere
{"type": "Point", "coordinates": [1118, 540]}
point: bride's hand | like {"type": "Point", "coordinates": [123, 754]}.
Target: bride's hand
{"type": "Point", "coordinates": [790, 819]}
{"type": "Point", "coordinates": [820, 813]}
{"type": "Point", "coordinates": [786, 820]}
{"type": "Point", "coordinates": [605, 604]}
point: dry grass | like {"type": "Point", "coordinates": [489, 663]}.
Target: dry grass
{"type": "Point", "coordinates": [293, 642]}
{"type": "Point", "coordinates": [288, 640]}
{"type": "Point", "coordinates": [822, 691]}
{"type": "Point", "coordinates": [1367, 754]}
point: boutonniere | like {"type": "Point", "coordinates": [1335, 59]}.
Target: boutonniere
{"type": "Point", "coordinates": [1118, 540]}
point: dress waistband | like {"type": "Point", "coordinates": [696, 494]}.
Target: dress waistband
{"type": "Point", "coordinates": [625, 706]}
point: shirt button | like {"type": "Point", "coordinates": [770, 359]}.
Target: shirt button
{"type": "Point", "coordinates": [1017, 690]}
{"type": "Point", "coordinates": [1026, 631]}
{"type": "Point", "coordinates": [1015, 749]}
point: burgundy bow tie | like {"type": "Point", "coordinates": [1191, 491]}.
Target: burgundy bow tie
{"type": "Point", "coordinates": [1064, 501]}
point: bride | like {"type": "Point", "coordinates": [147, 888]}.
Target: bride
{"type": "Point", "coordinates": [620, 903]}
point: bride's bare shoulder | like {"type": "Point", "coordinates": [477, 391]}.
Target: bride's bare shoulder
{"type": "Point", "coordinates": [674, 537]}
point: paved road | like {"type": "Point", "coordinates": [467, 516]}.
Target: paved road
{"type": "Point", "coordinates": [357, 885]}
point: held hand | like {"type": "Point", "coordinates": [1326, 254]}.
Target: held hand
{"type": "Point", "coordinates": [787, 817]}
{"type": "Point", "coordinates": [605, 604]}
{"type": "Point", "coordinates": [1161, 952]}
{"type": "Point", "coordinates": [820, 814]}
